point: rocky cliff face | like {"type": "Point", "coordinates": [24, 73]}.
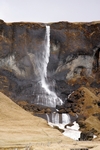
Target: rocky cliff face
{"type": "Point", "coordinates": [74, 62]}
{"type": "Point", "coordinates": [20, 45]}
{"type": "Point", "coordinates": [75, 51]}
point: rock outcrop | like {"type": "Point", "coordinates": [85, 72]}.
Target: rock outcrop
{"type": "Point", "coordinates": [20, 43]}
{"type": "Point", "coordinates": [75, 51]}
{"type": "Point", "coordinates": [85, 104]}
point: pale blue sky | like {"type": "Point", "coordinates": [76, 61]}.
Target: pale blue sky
{"type": "Point", "coordinates": [50, 10]}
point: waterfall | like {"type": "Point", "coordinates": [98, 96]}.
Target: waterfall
{"type": "Point", "coordinates": [48, 119]}
{"type": "Point", "coordinates": [55, 118]}
{"type": "Point", "coordinates": [46, 96]}
{"type": "Point", "coordinates": [66, 118]}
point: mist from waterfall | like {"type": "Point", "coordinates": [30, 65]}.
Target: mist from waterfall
{"type": "Point", "coordinates": [46, 97]}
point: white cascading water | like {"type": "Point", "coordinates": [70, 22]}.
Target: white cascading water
{"type": "Point", "coordinates": [48, 97]}
{"type": "Point", "coordinates": [55, 118]}
{"type": "Point", "coordinates": [66, 118]}
{"type": "Point", "coordinates": [69, 131]}
{"type": "Point", "coordinates": [46, 55]}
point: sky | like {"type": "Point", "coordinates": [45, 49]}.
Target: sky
{"type": "Point", "coordinates": [49, 10]}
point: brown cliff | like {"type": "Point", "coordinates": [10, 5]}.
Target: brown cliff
{"type": "Point", "coordinates": [74, 63]}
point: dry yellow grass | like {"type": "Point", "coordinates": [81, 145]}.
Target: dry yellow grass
{"type": "Point", "coordinates": [20, 130]}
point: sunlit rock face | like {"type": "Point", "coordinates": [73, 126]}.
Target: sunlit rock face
{"type": "Point", "coordinates": [74, 58]}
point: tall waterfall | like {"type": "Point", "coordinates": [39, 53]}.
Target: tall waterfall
{"type": "Point", "coordinates": [46, 97]}
{"type": "Point", "coordinates": [46, 54]}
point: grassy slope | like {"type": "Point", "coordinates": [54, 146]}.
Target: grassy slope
{"type": "Point", "coordinates": [19, 128]}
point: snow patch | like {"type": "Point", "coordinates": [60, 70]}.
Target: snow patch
{"type": "Point", "coordinates": [71, 132]}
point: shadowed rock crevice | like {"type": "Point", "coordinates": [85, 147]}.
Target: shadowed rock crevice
{"type": "Point", "coordinates": [96, 58]}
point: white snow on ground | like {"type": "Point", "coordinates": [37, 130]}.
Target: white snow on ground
{"type": "Point", "coordinates": [72, 132]}
{"type": "Point", "coordinates": [74, 127]}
